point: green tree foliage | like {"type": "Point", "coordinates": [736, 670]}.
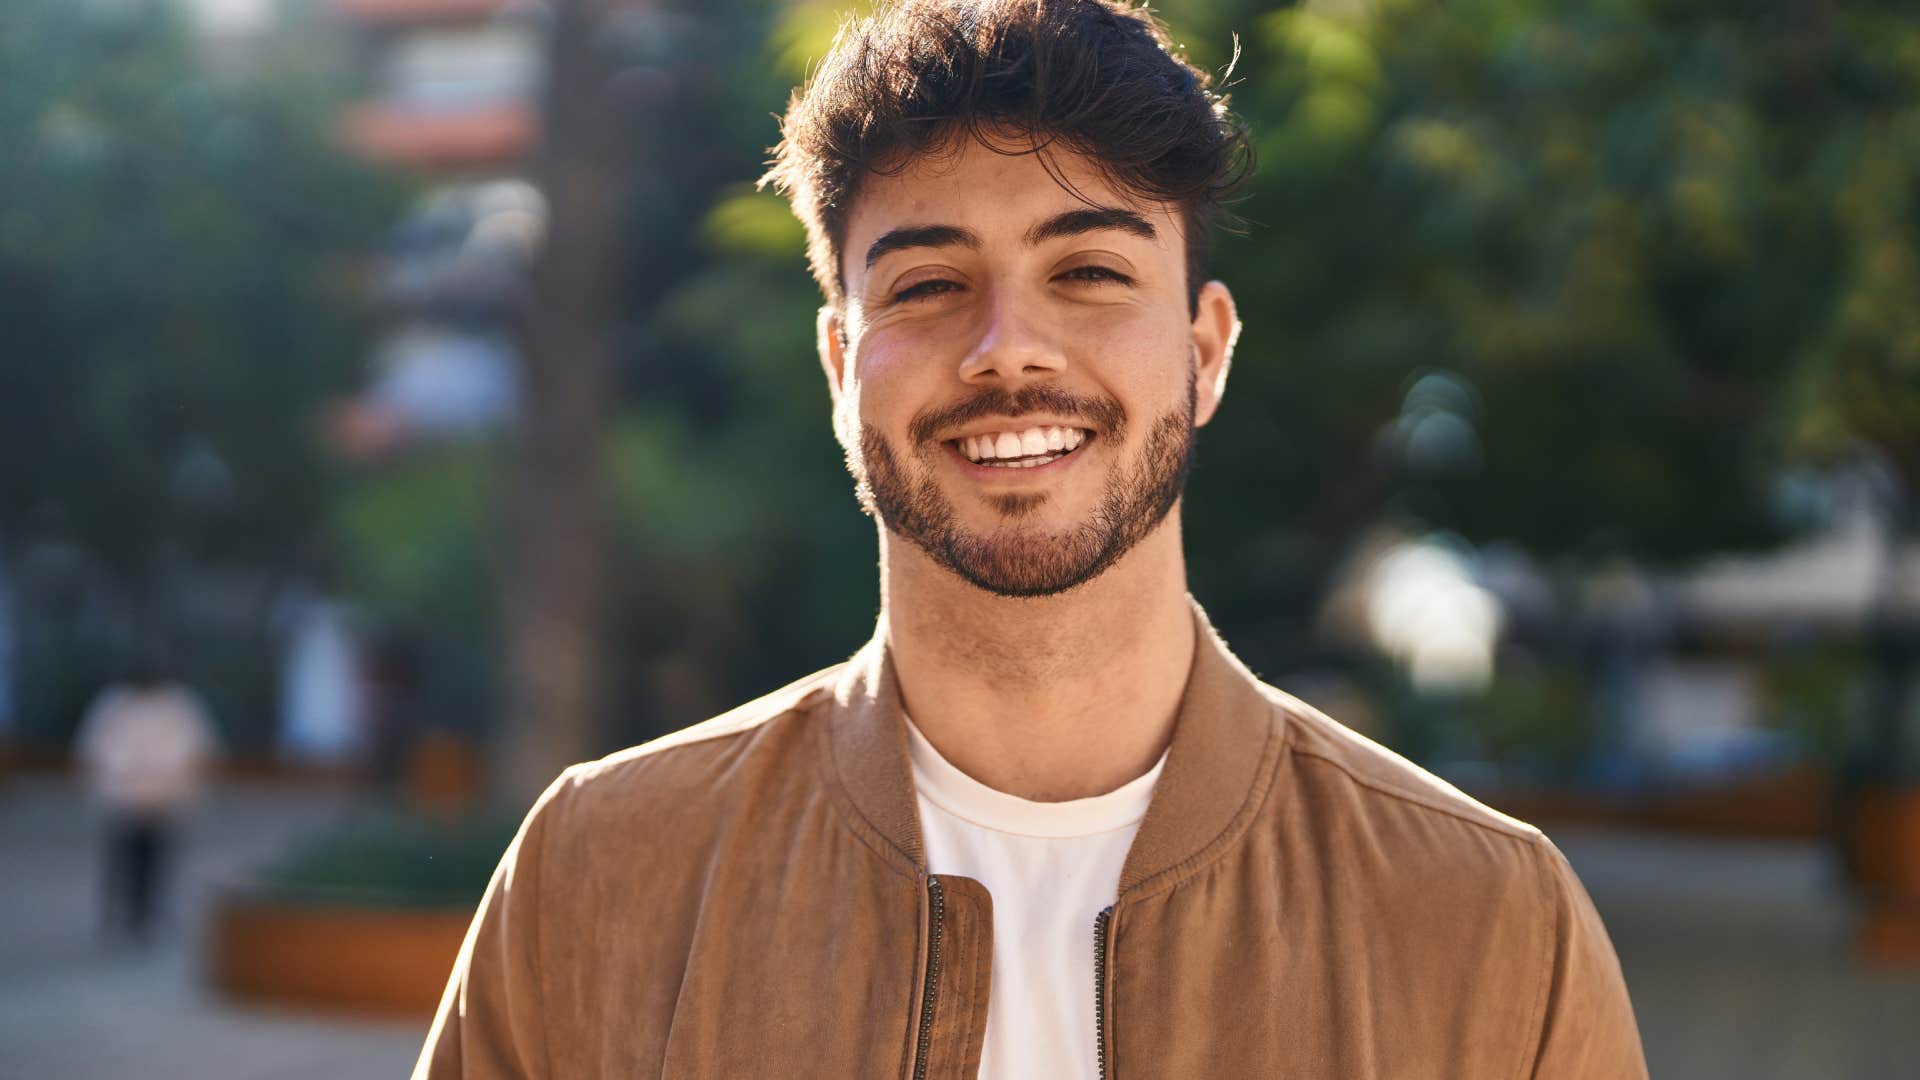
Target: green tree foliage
{"type": "Point", "coordinates": [1577, 275]}
{"type": "Point", "coordinates": [173, 297]}
{"type": "Point", "coordinates": [1636, 234]}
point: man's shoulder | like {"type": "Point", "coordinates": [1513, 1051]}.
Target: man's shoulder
{"type": "Point", "coordinates": [1333, 761]}
{"type": "Point", "coordinates": [1404, 834]}
{"type": "Point", "coordinates": [761, 734]}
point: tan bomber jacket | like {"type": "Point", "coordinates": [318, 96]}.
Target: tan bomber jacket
{"type": "Point", "coordinates": [748, 897]}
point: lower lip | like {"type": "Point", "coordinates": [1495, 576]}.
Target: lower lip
{"type": "Point", "coordinates": [1011, 474]}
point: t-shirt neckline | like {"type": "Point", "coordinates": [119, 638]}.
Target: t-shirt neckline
{"type": "Point", "coordinates": [944, 785]}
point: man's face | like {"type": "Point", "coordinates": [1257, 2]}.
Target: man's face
{"type": "Point", "coordinates": [1020, 375]}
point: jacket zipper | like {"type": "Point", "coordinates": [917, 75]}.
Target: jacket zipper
{"type": "Point", "coordinates": [1102, 928]}
{"type": "Point", "coordinates": [936, 925]}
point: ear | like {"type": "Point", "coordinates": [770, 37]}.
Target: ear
{"type": "Point", "coordinates": [831, 339]}
{"type": "Point", "coordinates": [1216, 327]}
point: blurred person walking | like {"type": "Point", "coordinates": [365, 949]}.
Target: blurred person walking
{"type": "Point", "coordinates": [144, 746]}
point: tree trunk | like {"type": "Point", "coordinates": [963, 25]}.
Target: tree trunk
{"type": "Point", "coordinates": [556, 567]}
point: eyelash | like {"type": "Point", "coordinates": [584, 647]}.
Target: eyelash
{"type": "Point", "coordinates": [936, 286]}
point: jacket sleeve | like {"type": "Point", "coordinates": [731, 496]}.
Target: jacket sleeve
{"type": "Point", "coordinates": [490, 1022]}
{"type": "Point", "coordinates": [1587, 1030]}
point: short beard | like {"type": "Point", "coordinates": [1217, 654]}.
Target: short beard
{"type": "Point", "coordinates": [1012, 561]}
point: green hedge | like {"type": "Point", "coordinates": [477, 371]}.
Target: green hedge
{"type": "Point", "coordinates": [389, 858]}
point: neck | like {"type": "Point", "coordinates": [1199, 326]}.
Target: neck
{"type": "Point", "coordinates": [1048, 698]}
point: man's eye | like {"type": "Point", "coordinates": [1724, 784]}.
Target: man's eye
{"type": "Point", "coordinates": [1097, 273]}
{"type": "Point", "coordinates": [925, 288]}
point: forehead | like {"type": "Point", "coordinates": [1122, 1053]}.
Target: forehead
{"type": "Point", "coordinates": [996, 194]}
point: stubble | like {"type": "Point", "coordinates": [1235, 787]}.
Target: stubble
{"type": "Point", "coordinates": [1016, 559]}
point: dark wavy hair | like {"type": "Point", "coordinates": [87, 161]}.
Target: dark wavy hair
{"type": "Point", "coordinates": [1096, 77]}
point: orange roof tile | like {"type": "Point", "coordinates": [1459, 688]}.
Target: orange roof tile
{"type": "Point", "coordinates": [497, 135]}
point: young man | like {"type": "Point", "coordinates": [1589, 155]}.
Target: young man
{"type": "Point", "coordinates": [1043, 824]}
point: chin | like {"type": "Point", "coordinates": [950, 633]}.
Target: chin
{"type": "Point", "coordinates": [1016, 506]}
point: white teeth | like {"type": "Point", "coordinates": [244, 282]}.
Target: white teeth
{"type": "Point", "coordinates": [1021, 449]}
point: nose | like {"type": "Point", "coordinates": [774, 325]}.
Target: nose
{"type": "Point", "coordinates": [1012, 347]}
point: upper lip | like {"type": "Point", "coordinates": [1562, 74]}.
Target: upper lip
{"type": "Point", "coordinates": [1011, 424]}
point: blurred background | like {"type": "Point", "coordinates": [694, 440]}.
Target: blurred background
{"type": "Point", "coordinates": [402, 399]}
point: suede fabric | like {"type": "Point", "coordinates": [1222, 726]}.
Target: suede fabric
{"type": "Point", "coordinates": [748, 897]}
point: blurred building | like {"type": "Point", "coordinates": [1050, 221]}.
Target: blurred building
{"type": "Point", "coordinates": [451, 92]}
{"type": "Point", "coordinates": [1694, 660]}
{"type": "Point", "coordinates": [452, 84]}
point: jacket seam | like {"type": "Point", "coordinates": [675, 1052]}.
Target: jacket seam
{"type": "Point", "coordinates": [973, 991]}
{"type": "Point", "coordinates": [851, 817]}
{"type": "Point", "coordinates": [1425, 803]}
{"type": "Point", "coordinates": [809, 708]}
{"type": "Point", "coordinates": [866, 834]}
{"type": "Point", "coordinates": [806, 710]}
{"type": "Point", "coordinates": [1530, 1064]}
{"type": "Point", "coordinates": [1271, 755]}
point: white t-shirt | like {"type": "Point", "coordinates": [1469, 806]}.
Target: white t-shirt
{"type": "Point", "coordinates": [1052, 868]}
{"type": "Point", "coordinates": [145, 750]}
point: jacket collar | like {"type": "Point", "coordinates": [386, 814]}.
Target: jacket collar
{"type": "Point", "coordinates": [1219, 766]}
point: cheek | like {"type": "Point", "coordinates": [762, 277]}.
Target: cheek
{"type": "Point", "coordinates": [895, 376]}
{"type": "Point", "coordinates": [1145, 363]}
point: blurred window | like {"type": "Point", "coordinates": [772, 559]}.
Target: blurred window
{"type": "Point", "coordinates": [446, 382]}
{"type": "Point", "coordinates": [455, 68]}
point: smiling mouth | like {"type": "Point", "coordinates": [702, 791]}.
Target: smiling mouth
{"type": "Point", "coordinates": [1021, 449]}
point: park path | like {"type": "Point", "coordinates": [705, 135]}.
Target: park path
{"type": "Point", "coordinates": [1735, 953]}
{"type": "Point", "coordinates": [1738, 956]}
{"type": "Point", "coordinates": [72, 1007]}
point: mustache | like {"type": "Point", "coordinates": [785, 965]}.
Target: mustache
{"type": "Point", "coordinates": [1102, 415]}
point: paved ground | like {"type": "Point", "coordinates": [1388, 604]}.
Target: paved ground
{"type": "Point", "coordinates": [1735, 953]}
{"type": "Point", "coordinates": [1738, 959]}
{"type": "Point", "coordinates": [71, 1007]}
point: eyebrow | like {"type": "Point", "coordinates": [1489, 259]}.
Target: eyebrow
{"type": "Point", "coordinates": [1092, 219]}
{"type": "Point", "coordinates": [913, 236]}
{"type": "Point", "coordinates": [1059, 226]}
